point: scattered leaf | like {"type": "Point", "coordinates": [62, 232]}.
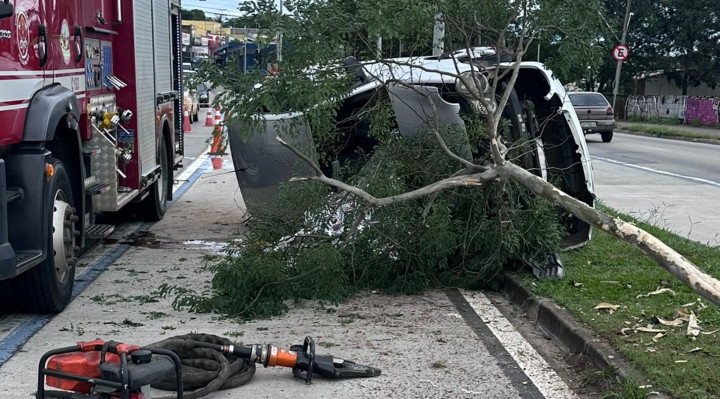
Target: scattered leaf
{"type": "Point", "coordinates": [695, 349]}
{"type": "Point", "coordinates": [657, 337]}
{"type": "Point", "coordinates": [693, 328]}
{"type": "Point", "coordinates": [682, 314]}
{"type": "Point", "coordinates": [649, 330]}
{"type": "Point", "coordinates": [607, 306]}
{"type": "Point", "coordinates": [658, 292]}
{"type": "Point", "coordinates": [681, 361]}
{"type": "Point", "coordinates": [670, 323]}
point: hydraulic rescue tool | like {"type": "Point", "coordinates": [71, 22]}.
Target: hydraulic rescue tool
{"type": "Point", "coordinates": [112, 370]}
{"type": "Point", "coordinates": [106, 370]}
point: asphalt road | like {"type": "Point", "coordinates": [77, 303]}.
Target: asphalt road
{"type": "Point", "coordinates": [673, 184]}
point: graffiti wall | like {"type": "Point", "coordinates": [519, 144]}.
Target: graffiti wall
{"type": "Point", "coordinates": [702, 110]}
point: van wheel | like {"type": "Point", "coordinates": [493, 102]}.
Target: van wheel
{"type": "Point", "coordinates": [606, 136]}
{"type": "Point", "coordinates": [47, 287]}
{"type": "Point", "coordinates": [153, 207]}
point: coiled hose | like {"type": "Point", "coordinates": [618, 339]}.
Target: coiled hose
{"type": "Point", "coordinates": [204, 370]}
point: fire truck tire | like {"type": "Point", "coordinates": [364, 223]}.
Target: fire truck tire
{"type": "Point", "coordinates": [154, 205]}
{"type": "Point", "coordinates": [47, 287]}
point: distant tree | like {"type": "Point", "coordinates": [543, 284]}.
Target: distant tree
{"type": "Point", "coordinates": [192, 15]}
{"type": "Point", "coordinates": [678, 37]}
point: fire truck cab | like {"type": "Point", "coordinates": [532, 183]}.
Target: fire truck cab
{"type": "Point", "coordinates": [90, 122]}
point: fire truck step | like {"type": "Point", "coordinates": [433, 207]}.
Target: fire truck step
{"type": "Point", "coordinates": [13, 194]}
{"type": "Point", "coordinates": [97, 189]}
{"type": "Point", "coordinates": [23, 257]}
{"type": "Point", "coordinates": [99, 231]}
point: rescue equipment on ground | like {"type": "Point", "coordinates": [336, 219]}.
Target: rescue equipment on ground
{"type": "Point", "coordinates": [193, 365]}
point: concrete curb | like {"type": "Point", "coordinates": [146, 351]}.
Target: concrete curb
{"type": "Point", "coordinates": [680, 138]}
{"type": "Point", "coordinates": [569, 333]}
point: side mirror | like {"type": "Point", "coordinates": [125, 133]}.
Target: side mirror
{"type": "Point", "coordinates": [6, 9]}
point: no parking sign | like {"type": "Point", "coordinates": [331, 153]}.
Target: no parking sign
{"type": "Point", "coordinates": [620, 52]}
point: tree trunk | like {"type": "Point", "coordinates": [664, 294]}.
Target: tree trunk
{"type": "Point", "coordinates": [699, 281]}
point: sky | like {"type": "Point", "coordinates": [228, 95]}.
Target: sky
{"type": "Point", "coordinates": [213, 7]}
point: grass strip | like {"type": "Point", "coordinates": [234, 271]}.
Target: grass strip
{"type": "Point", "coordinates": [611, 271]}
{"type": "Point", "coordinates": [665, 132]}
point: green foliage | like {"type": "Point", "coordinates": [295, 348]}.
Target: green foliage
{"type": "Point", "coordinates": [319, 244]}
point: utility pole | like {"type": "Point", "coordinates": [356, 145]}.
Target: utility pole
{"type": "Point", "coordinates": [279, 40]}
{"type": "Point", "coordinates": [438, 35]}
{"type": "Point", "coordinates": [626, 23]}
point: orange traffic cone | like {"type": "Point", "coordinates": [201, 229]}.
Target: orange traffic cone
{"type": "Point", "coordinates": [218, 117]}
{"type": "Point", "coordinates": [217, 139]}
{"type": "Point", "coordinates": [217, 162]}
{"type": "Point", "coordinates": [209, 120]}
{"type": "Point", "coordinates": [186, 122]}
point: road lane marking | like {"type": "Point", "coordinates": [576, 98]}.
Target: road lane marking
{"type": "Point", "coordinates": [535, 367]}
{"type": "Point", "coordinates": [519, 380]}
{"type": "Point", "coordinates": [660, 172]}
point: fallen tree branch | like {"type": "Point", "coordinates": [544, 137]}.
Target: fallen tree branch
{"type": "Point", "coordinates": [702, 283]}
{"type": "Point", "coordinates": [475, 179]}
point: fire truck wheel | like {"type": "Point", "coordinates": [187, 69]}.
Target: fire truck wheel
{"type": "Point", "coordinates": [48, 286]}
{"type": "Point", "coordinates": [154, 205]}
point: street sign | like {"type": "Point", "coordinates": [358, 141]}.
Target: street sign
{"type": "Point", "coordinates": [620, 52]}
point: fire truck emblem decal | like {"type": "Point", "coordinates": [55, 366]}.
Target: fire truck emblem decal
{"type": "Point", "coordinates": [23, 38]}
{"type": "Point", "coordinates": [65, 41]}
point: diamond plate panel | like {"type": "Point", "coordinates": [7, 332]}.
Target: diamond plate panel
{"type": "Point", "coordinates": [102, 167]}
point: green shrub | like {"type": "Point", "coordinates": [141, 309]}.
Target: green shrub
{"type": "Point", "coordinates": [325, 245]}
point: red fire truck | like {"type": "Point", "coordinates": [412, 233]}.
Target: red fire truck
{"type": "Point", "coordinates": [90, 122]}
